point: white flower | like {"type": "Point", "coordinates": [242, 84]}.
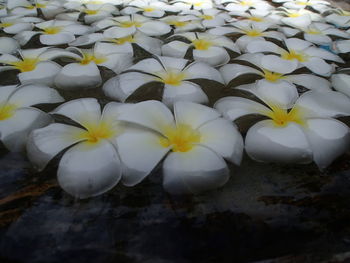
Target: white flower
{"type": "Point", "coordinates": [195, 4]}
{"type": "Point", "coordinates": [241, 6]}
{"type": "Point", "coordinates": [341, 82]}
{"type": "Point", "coordinates": [91, 166]}
{"type": "Point", "coordinates": [175, 74]}
{"type": "Point", "coordinates": [340, 18]}
{"type": "Point", "coordinates": [18, 118]}
{"type": "Point", "coordinates": [148, 8]}
{"type": "Point", "coordinates": [194, 142]}
{"type": "Point", "coordinates": [318, 5]}
{"type": "Point", "coordinates": [209, 17]}
{"type": "Point", "coordinates": [304, 133]}
{"type": "Point", "coordinates": [24, 8]}
{"type": "Point", "coordinates": [207, 48]}
{"type": "Point", "coordinates": [84, 74]}
{"type": "Point", "coordinates": [8, 45]}
{"type": "Point", "coordinates": [15, 24]}
{"type": "Point", "coordinates": [183, 23]}
{"type": "Point", "coordinates": [296, 18]}
{"type": "Point", "coordinates": [298, 53]}
{"type": "Point", "coordinates": [274, 86]}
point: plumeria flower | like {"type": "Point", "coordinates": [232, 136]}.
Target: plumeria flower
{"type": "Point", "coordinates": [272, 86]}
{"type": "Point", "coordinates": [54, 32]}
{"type": "Point", "coordinates": [341, 46]}
{"type": "Point", "coordinates": [17, 116]}
{"type": "Point", "coordinates": [147, 8]}
{"type": "Point", "coordinates": [35, 65]}
{"type": "Point", "coordinates": [306, 132]}
{"type": "Point", "coordinates": [175, 74]}
{"type": "Point", "coordinates": [122, 45]}
{"type": "Point", "coordinates": [123, 26]}
{"type": "Point", "coordinates": [207, 48]}
{"type": "Point", "coordinates": [183, 23]}
{"type": "Point", "coordinates": [24, 8]}
{"type": "Point", "coordinates": [75, 4]}
{"type": "Point", "coordinates": [209, 17]}
{"type": "Point", "coordinates": [250, 31]}
{"type": "Point", "coordinates": [91, 166]}
{"type": "Point", "coordinates": [341, 82]}
{"type": "Point", "coordinates": [296, 18]}
{"type": "Point", "coordinates": [3, 10]}
{"type": "Point", "coordinates": [85, 74]}
{"type": "Point", "coordinates": [317, 33]}
{"type": "Point", "coordinates": [192, 4]}
{"type": "Point", "coordinates": [194, 142]}
{"type": "Point", "coordinates": [339, 17]}
{"type": "Point", "coordinates": [257, 16]}
{"type": "Point", "coordinates": [8, 45]}
{"type": "Point", "coordinates": [241, 6]}
{"type": "Point", "coordinates": [15, 24]}
{"type": "Point", "coordinates": [318, 5]}
{"type": "Point", "coordinates": [298, 53]}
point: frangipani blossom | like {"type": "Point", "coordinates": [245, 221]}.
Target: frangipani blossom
{"type": "Point", "coordinates": [147, 8]}
{"type": "Point", "coordinates": [318, 5]}
{"type": "Point", "coordinates": [122, 45]}
{"type": "Point", "coordinates": [257, 16]}
{"type": "Point", "coordinates": [18, 118]}
{"type": "Point", "coordinates": [24, 8]}
{"type": "Point", "coordinates": [207, 48]}
{"type": "Point", "coordinates": [176, 75]}
{"type": "Point", "coordinates": [8, 45]}
{"type": "Point", "coordinates": [84, 74]}
{"type": "Point", "coordinates": [192, 4]}
{"type": "Point", "coordinates": [16, 24]}
{"type": "Point", "coordinates": [275, 87]}
{"type": "Point", "coordinates": [298, 53]}
{"type": "Point", "coordinates": [209, 17]}
{"type": "Point", "coordinates": [35, 65]}
{"type": "Point", "coordinates": [339, 17]}
{"type": "Point", "coordinates": [241, 6]}
{"type": "Point", "coordinates": [194, 142]}
{"type": "Point", "coordinates": [91, 166]}
{"type": "Point", "coordinates": [123, 26]}
{"type": "Point", "coordinates": [249, 30]}
{"type": "Point", "coordinates": [54, 32]}
{"type": "Point", "coordinates": [306, 132]}
{"type": "Point", "coordinates": [183, 23]}
{"type": "Point", "coordinates": [341, 46]}
{"type": "Point", "coordinates": [317, 33]}
{"type": "Point", "coordinates": [341, 82]}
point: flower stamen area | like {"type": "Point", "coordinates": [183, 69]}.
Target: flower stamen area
{"type": "Point", "coordinates": [172, 77]}
{"type": "Point", "coordinates": [246, 3]}
{"type": "Point", "coordinates": [272, 76]}
{"type": "Point", "coordinates": [202, 44]}
{"type": "Point", "coordinates": [7, 110]}
{"type": "Point", "coordinates": [130, 24]}
{"type": "Point", "coordinates": [97, 131]}
{"type": "Point", "coordinates": [87, 58]}
{"type": "Point", "coordinates": [181, 138]}
{"type": "Point", "coordinates": [149, 9]}
{"type": "Point", "coordinates": [281, 117]}
{"type": "Point", "coordinates": [292, 54]}
{"type": "Point", "coordinates": [207, 17]}
{"type": "Point", "coordinates": [52, 30]}
{"type": "Point", "coordinates": [123, 40]}
{"type": "Point", "coordinates": [90, 12]}
{"type": "Point", "coordinates": [7, 24]}
{"type": "Point", "coordinates": [256, 19]}
{"type": "Point", "coordinates": [25, 65]}
{"type": "Point", "coordinates": [253, 33]}
{"type": "Point", "coordinates": [178, 23]}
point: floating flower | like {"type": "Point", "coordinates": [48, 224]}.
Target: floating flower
{"type": "Point", "coordinates": [207, 48]}
{"type": "Point", "coordinates": [194, 4]}
{"type": "Point", "coordinates": [194, 142]}
{"type": "Point", "coordinates": [306, 132]}
{"type": "Point", "coordinates": [54, 32]}
{"type": "Point", "coordinates": [91, 166]}
{"type": "Point", "coordinates": [275, 86]}
{"type": "Point", "coordinates": [175, 74]}
{"type": "Point", "coordinates": [18, 118]}
{"type": "Point", "coordinates": [298, 53]}
{"type": "Point", "coordinates": [84, 74]}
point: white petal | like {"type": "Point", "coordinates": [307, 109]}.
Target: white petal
{"type": "Point", "coordinates": [341, 82]}
{"type": "Point", "coordinates": [199, 70]}
{"type": "Point", "coordinates": [5, 92]}
{"type": "Point", "coordinates": [117, 62]}
{"type": "Point", "coordinates": [175, 48]}
{"type": "Point", "coordinates": [85, 170]}
{"type": "Point", "coordinates": [276, 64]}
{"type": "Point", "coordinates": [75, 76]}
{"type": "Point", "coordinates": [343, 46]}
{"type": "Point", "coordinates": [155, 28]}
{"type": "Point", "coordinates": [14, 131]}
{"type": "Point", "coordinates": [24, 36]}
{"type": "Point", "coordinates": [45, 143]}
{"type": "Point", "coordinates": [309, 81]}
{"type": "Point", "coordinates": [114, 48]}
{"type": "Point", "coordinates": [222, 137]}
{"type": "Point", "coordinates": [214, 56]}
{"type": "Point", "coordinates": [262, 46]}
{"type": "Point", "coordinates": [234, 107]}
{"type": "Point", "coordinates": [232, 71]}
{"type": "Point", "coordinates": [119, 32]}
{"type": "Point", "coordinates": [87, 39]}
{"type": "Point", "coordinates": [195, 171]}
{"type": "Point", "coordinates": [318, 66]}
{"type": "Point", "coordinates": [57, 39]}
{"type": "Point", "coordinates": [270, 143]}
{"type": "Point", "coordinates": [186, 91]}
{"type": "Point", "coordinates": [8, 45]}
{"type": "Point", "coordinates": [328, 138]}
{"type": "Point", "coordinates": [151, 114]}
{"type": "Point", "coordinates": [140, 151]}
{"type": "Point", "coordinates": [44, 73]}
{"type": "Point", "coordinates": [80, 110]}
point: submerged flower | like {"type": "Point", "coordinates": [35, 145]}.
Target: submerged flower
{"type": "Point", "coordinates": [306, 132]}
{"type": "Point", "coordinates": [207, 48]}
{"type": "Point", "coordinates": [194, 142]}
{"type": "Point", "coordinates": [175, 74]}
{"type": "Point", "coordinates": [17, 116]}
{"type": "Point", "coordinates": [91, 166]}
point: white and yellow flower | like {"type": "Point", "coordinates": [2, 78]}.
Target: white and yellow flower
{"type": "Point", "coordinates": [175, 74]}
{"type": "Point", "coordinates": [15, 24]}
{"type": "Point", "coordinates": [183, 23]}
{"type": "Point", "coordinates": [339, 17]}
{"type": "Point", "coordinates": [194, 142]}
{"type": "Point", "coordinates": [91, 165]}
{"type": "Point", "coordinates": [17, 116]}
{"type": "Point", "coordinates": [306, 132]}
{"type": "Point", "coordinates": [25, 8]}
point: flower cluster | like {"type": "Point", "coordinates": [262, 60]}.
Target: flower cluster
{"type": "Point", "coordinates": [287, 60]}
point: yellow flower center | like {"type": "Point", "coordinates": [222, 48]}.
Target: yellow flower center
{"type": "Point", "coordinates": [25, 65]}
{"type": "Point", "coordinates": [292, 54]}
{"type": "Point", "coordinates": [96, 131]}
{"type": "Point", "coordinates": [148, 9]}
{"type": "Point", "coordinates": [178, 23]}
{"type": "Point", "coordinates": [123, 40]}
{"type": "Point", "coordinates": [87, 58]}
{"type": "Point", "coordinates": [246, 3]}
{"type": "Point", "coordinates": [90, 12]}
{"type": "Point", "coordinates": [344, 13]}
{"type": "Point", "coordinates": [172, 77]}
{"type": "Point", "coordinates": [256, 19]}
{"type": "Point", "coordinates": [94, 2]}
{"type": "Point", "coordinates": [272, 76]}
{"type": "Point", "coordinates": [202, 44]}
{"type": "Point", "coordinates": [281, 117]}
{"type": "Point", "coordinates": [198, 4]}
{"type": "Point", "coordinates": [52, 30]}
{"type": "Point", "coordinates": [207, 17]}
{"type": "Point", "coordinates": [130, 24]}
{"type": "Point", "coordinates": [313, 32]}
{"type": "Point", "coordinates": [294, 14]}
{"type": "Point", "coordinates": [7, 110]}
{"type": "Point", "coordinates": [40, 5]}
{"type": "Point", "coordinates": [253, 33]}
{"type": "Point", "coordinates": [3, 25]}
{"type": "Point", "coordinates": [302, 3]}
{"type": "Point", "coordinates": [181, 138]}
